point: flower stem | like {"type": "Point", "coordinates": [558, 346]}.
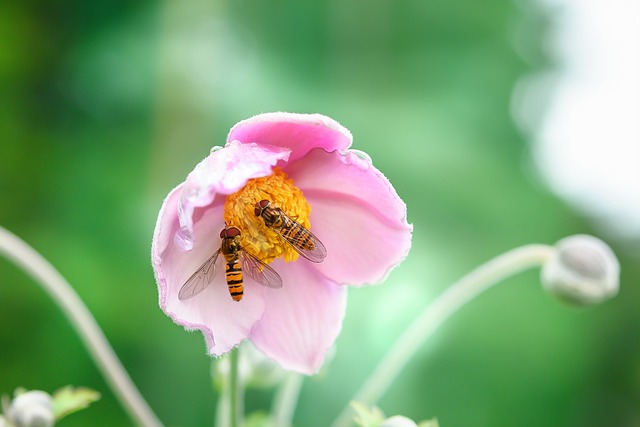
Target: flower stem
{"type": "Point", "coordinates": [285, 400]}
{"type": "Point", "coordinates": [235, 390]}
{"type": "Point", "coordinates": [24, 256]}
{"type": "Point", "coordinates": [436, 313]}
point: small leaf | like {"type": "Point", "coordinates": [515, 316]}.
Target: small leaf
{"type": "Point", "coordinates": [20, 390]}
{"type": "Point", "coordinates": [68, 400]}
{"type": "Point", "coordinates": [433, 422]}
{"type": "Point", "coordinates": [258, 419]}
{"type": "Point", "coordinates": [6, 403]}
{"type": "Point", "coordinates": [367, 417]}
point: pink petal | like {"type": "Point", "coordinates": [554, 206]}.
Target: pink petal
{"type": "Point", "coordinates": [356, 213]}
{"type": "Point", "coordinates": [224, 172]}
{"type": "Point", "coordinates": [302, 320]}
{"type": "Point", "coordinates": [224, 322]}
{"type": "Point", "coordinates": [298, 132]}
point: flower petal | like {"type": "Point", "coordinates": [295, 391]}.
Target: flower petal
{"type": "Point", "coordinates": [224, 322]}
{"type": "Point", "coordinates": [298, 132]}
{"type": "Point", "coordinates": [302, 320]}
{"type": "Point", "coordinates": [356, 213]}
{"type": "Point", "coordinates": [225, 171]}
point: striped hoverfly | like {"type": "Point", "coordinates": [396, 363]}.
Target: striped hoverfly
{"type": "Point", "coordinates": [237, 260]}
{"type": "Point", "coordinates": [292, 232]}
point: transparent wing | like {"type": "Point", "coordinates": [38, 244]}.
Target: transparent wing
{"type": "Point", "coordinates": [259, 271]}
{"type": "Point", "coordinates": [302, 240]}
{"type": "Point", "coordinates": [199, 280]}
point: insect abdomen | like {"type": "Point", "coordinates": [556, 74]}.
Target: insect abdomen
{"type": "Point", "coordinates": [234, 280]}
{"type": "Point", "coordinates": [297, 235]}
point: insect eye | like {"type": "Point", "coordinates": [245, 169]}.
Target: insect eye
{"type": "Point", "coordinates": [257, 210]}
{"type": "Point", "coordinates": [223, 233]}
{"type": "Point", "coordinates": [232, 232]}
{"type": "Point", "coordinates": [264, 203]}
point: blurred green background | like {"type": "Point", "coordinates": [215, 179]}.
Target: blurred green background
{"type": "Point", "coordinates": [106, 106]}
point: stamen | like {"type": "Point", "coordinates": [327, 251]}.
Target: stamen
{"type": "Point", "coordinates": [257, 238]}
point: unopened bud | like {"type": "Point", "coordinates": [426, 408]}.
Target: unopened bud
{"type": "Point", "coordinates": [584, 271]}
{"type": "Point", "coordinates": [32, 409]}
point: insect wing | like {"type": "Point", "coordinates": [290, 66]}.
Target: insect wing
{"type": "Point", "coordinates": [259, 271]}
{"type": "Point", "coordinates": [302, 240]}
{"type": "Point", "coordinates": [199, 280]}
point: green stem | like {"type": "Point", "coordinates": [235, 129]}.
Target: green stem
{"type": "Point", "coordinates": [222, 405]}
{"type": "Point", "coordinates": [24, 256]}
{"type": "Point", "coordinates": [285, 400]}
{"type": "Point", "coordinates": [235, 390]}
{"type": "Point", "coordinates": [435, 314]}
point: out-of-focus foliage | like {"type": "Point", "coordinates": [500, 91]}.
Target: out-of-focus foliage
{"type": "Point", "coordinates": [68, 400]}
{"type": "Point", "coordinates": [105, 106]}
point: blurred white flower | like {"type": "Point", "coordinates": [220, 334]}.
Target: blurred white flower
{"type": "Point", "coordinates": [32, 409]}
{"type": "Point", "coordinates": [583, 113]}
{"type": "Point", "coordinates": [398, 421]}
{"type": "Point", "coordinates": [366, 416]}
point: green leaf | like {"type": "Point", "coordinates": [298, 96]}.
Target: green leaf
{"type": "Point", "coordinates": [433, 422]}
{"type": "Point", "coordinates": [258, 419]}
{"type": "Point", "coordinates": [367, 417]}
{"type": "Point", "coordinates": [68, 400]}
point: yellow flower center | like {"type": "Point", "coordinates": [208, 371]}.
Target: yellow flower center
{"type": "Point", "coordinates": [258, 239]}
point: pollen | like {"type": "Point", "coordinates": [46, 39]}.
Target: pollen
{"type": "Point", "coordinates": [258, 239]}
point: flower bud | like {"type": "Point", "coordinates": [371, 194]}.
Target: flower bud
{"type": "Point", "coordinates": [583, 270]}
{"type": "Point", "coordinates": [32, 409]}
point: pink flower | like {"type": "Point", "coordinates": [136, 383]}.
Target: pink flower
{"type": "Point", "coordinates": [300, 163]}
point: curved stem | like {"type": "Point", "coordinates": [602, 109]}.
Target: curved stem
{"type": "Point", "coordinates": [16, 250]}
{"type": "Point", "coordinates": [285, 400]}
{"type": "Point", "coordinates": [435, 314]}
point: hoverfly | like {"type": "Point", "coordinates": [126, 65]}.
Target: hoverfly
{"type": "Point", "coordinates": [236, 259]}
{"type": "Point", "coordinates": [301, 239]}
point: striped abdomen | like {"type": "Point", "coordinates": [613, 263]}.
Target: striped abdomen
{"type": "Point", "coordinates": [234, 279]}
{"type": "Point", "coordinates": [296, 234]}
